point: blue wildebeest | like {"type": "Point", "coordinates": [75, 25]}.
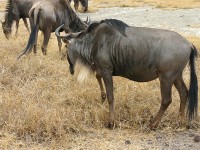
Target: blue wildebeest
{"type": "Point", "coordinates": [112, 48]}
{"type": "Point", "coordinates": [15, 10]}
{"type": "Point", "coordinates": [84, 3]}
{"type": "Point", "coordinates": [47, 16]}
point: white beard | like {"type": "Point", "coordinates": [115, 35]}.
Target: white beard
{"type": "Point", "coordinates": [82, 72]}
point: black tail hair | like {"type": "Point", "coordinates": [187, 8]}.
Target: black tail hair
{"type": "Point", "coordinates": [193, 89]}
{"type": "Point", "coordinates": [31, 40]}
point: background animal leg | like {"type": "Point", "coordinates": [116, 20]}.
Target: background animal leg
{"type": "Point", "coordinates": [108, 81]}
{"type": "Point", "coordinates": [35, 44]}
{"type": "Point", "coordinates": [76, 4]}
{"type": "Point", "coordinates": [45, 42]}
{"type": "Point", "coordinates": [59, 44]}
{"type": "Point", "coordinates": [183, 93]}
{"type": "Point", "coordinates": [166, 86]}
{"type": "Point", "coordinates": [103, 94]}
{"type": "Point", "coordinates": [17, 26]}
{"type": "Point", "coordinates": [26, 24]}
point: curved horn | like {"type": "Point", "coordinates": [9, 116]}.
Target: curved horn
{"type": "Point", "coordinates": [57, 31]}
{"type": "Point", "coordinates": [88, 20]}
{"type": "Point", "coordinates": [68, 36]}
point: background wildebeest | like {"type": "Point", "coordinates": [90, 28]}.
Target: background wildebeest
{"type": "Point", "coordinates": [15, 10]}
{"type": "Point", "coordinates": [47, 16]}
{"type": "Point", "coordinates": [112, 48]}
{"type": "Point", "coordinates": [84, 3]}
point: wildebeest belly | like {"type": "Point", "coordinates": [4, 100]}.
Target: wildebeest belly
{"type": "Point", "coordinates": [142, 75]}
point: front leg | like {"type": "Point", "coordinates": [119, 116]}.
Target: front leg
{"type": "Point", "coordinates": [47, 34]}
{"type": "Point", "coordinates": [26, 24]}
{"type": "Point", "coordinates": [17, 26]}
{"type": "Point", "coordinates": [108, 81]}
{"type": "Point", "coordinates": [76, 4]}
{"type": "Point", "coordinates": [103, 94]}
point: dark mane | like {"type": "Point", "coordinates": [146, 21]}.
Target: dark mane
{"type": "Point", "coordinates": [9, 16]}
{"type": "Point", "coordinates": [92, 26]}
{"type": "Point", "coordinates": [8, 6]}
{"type": "Point", "coordinates": [75, 22]}
{"type": "Point", "coordinates": [117, 24]}
{"type": "Point", "coordinates": [66, 4]}
{"type": "Point", "coordinates": [89, 29]}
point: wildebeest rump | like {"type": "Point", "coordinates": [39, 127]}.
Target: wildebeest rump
{"type": "Point", "coordinates": [47, 16]}
{"type": "Point", "coordinates": [84, 3]}
{"type": "Point", "coordinates": [112, 48]}
{"type": "Point", "coordinates": [15, 10]}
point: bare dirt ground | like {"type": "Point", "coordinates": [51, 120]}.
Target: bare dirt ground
{"type": "Point", "coordinates": [131, 140]}
{"type": "Point", "coordinates": [184, 21]}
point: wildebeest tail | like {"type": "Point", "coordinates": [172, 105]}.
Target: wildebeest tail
{"type": "Point", "coordinates": [31, 42]}
{"type": "Point", "coordinates": [193, 89]}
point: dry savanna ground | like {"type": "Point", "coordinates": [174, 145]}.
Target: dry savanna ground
{"type": "Point", "coordinates": [43, 107]}
{"type": "Point", "coordinates": [169, 4]}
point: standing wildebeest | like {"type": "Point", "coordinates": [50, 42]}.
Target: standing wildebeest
{"type": "Point", "coordinates": [84, 3]}
{"type": "Point", "coordinates": [112, 48]}
{"type": "Point", "coordinates": [15, 10]}
{"type": "Point", "coordinates": [47, 16]}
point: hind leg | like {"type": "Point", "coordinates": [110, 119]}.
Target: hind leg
{"type": "Point", "coordinates": [36, 36]}
{"type": "Point", "coordinates": [17, 26]}
{"type": "Point", "coordinates": [59, 44]}
{"type": "Point", "coordinates": [76, 4]}
{"type": "Point", "coordinates": [26, 24]}
{"type": "Point", "coordinates": [165, 86]}
{"type": "Point", "coordinates": [35, 44]}
{"type": "Point", "coordinates": [183, 93]}
{"type": "Point", "coordinates": [45, 42]}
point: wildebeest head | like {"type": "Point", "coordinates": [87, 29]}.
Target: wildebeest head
{"type": "Point", "coordinates": [79, 65]}
{"type": "Point", "coordinates": [71, 53]}
{"type": "Point", "coordinates": [6, 30]}
{"type": "Point", "coordinates": [6, 25]}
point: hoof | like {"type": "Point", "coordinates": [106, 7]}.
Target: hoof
{"type": "Point", "coordinates": [153, 126]}
{"type": "Point", "coordinates": [111, 125]}
{"type": "Point", "coordinates": [103, 97]}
